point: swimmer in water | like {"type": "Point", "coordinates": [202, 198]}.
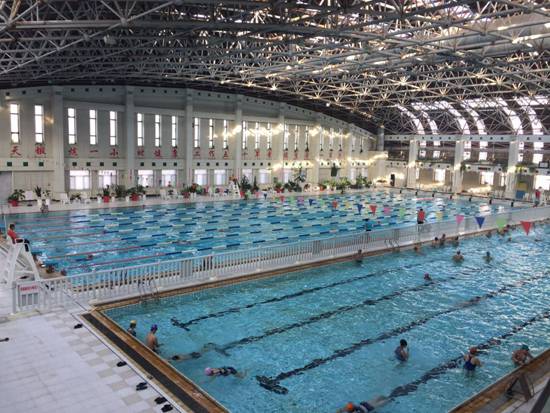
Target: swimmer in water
{"type": "Point", "coordinates": [90, 257]}
{"type": "Point", "coordinates": [435, 242]}
{"type": "Point", "coordinates": [455, 242]}
{"type": "Point", "coordinates": [151, 340]}
{"type": "Point", "coordinates": [359, 257]}
{"type": "Point", "coordinates": [488, 257]}
{"type": "Point", "coordinates": [471, 361]}
{"type": "Point", "coordinates": [401, 352]}
{"type": "Point", "coordinates": [522, 355]}
{"type": "Point", "coordinates": [132, 328]}
{"type": "Point", "coordinates": [223, 371]}
{"type": "Point", "coordinates": [489, 234]}
{"type": "Point", "coordinates": [458, 257]}
{"type": "Point", "coordinates": [364, 407]}
{"type": "Point", "coordinates": [418, 249]}
{"type": "Point", "coordinates": [427, 277]}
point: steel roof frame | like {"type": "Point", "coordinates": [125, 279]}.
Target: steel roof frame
{"type": "Point", "coordinates": [356, 60]}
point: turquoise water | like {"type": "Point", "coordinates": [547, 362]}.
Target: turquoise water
{"type": "Point", "coordinates": [86, 240]}
{"type": "Point", "coordinates": [326, 336]}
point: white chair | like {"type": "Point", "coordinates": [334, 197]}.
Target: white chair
{"type": "Point", "coordinates": [64, 198]}
{"type": "Point", "coordinates": [163, 194]}
{"type": "Point", "coordinates": [85, 198]}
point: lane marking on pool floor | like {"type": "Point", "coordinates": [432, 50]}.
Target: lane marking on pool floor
{"type": "Point", "coordinates": [272, 383]}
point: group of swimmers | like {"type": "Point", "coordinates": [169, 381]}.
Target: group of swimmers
{"type": "Point", "coordinates": [152, 343]}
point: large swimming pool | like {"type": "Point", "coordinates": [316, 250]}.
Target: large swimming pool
{"type": "Point", "coordinates": [86, 240]}
{"type": "Point", "coordinates": [316, 339]}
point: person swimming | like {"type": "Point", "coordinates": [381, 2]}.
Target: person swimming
{"type": "Point", "coordinates": [435, 242]}
{"type": "Point", "coordinates": [359, 257]}
{"type": "Point", "coordinates": [151, 340]}
{"type": "Point", "coordinates": [364, 407]}
{"type": "Point", "coordinates": [488, 257]}
{"type": "Point", "coordinates": [222, 371]}
{"type": "Point", "coordinates": [132, 328]}
{"type": "Point", "coordinates": [401, 352]}
{"type": "Point", "coordinates": [427, 277]}
{"type": "Point", "coordinates": [522, 355]}
{"type": "Point", "coordinates": [458, 257]}
{"type": "Point", "coordinates": [471, 361]}
{"type": "Point", "coordinates": [455, 242]}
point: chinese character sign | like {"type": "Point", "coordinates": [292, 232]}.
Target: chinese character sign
{"type": "Point", "coordinates": [225, 154]}
{"type": "Point", "coordinates": [211, 153]}
{"type": "Point", "coordinates": [175, 152]}
{"type": "Point", "coordinates": [15, 151]}
{"type": "Point", "coordinates": [73, 152]}
{"type": "Point", "coordinates": [269, 153]}
{"type": "Point", "coordinates": [113, 153]}
{"type": "Point", "coordinates": [140, 152]}
{"type": "Point", "coordinates": [157, 153]}
{"type": "Point", "coordinates": [257, 153]}
{"type": "Point", "coordinates": [285, 154]}
{"type": "Point", "coordinates": [40, 149]}
{"type": "Point", "coordinates": [196, 153]}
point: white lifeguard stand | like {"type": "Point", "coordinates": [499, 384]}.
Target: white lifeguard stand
{"type": "Point", "coordinates": [16, 264]}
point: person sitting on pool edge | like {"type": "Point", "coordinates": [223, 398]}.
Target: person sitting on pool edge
{"type": "Point", "coordinates": [132, 328]}
{"type": "Point", "coordinates": [359, 257]}
{"type": "Point", "coordinates": [223, 371]}
{"type": "Point", "coordinates": [488, 257]}
{"type": "Point", "coordinates": [522, 355]}
{"type": "Point", "coordinates": [364, 407]}
{"type": "Point", "coordinates": [151, 340]}
{"type": "Point", "coordinates": [458, 257]}
{"type": "Point", "coordinates": [401, 352]}
{"type": "Point", "coordinates": [442, 240]}
{"type": "Point", "coordinates": [471, 361]}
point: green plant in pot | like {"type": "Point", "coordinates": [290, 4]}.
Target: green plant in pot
{"type": "Point", "coordinates": [120, 191]}
{"type": "Point", "coordinates": [277, 185]}
{"type": "Point", "coordinates": [17, 196]}
{"type": "Point", "coordinates": [106, 194]}
{"type": "Point", "coordinates": [76, 196]}
{"type": "Point", "coordinates": [38, 192]}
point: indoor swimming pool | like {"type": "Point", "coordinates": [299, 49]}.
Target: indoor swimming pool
{"type": "Point", "coordinates": [317, 339]}
{"type": "Point", "coordinates": [86, 240]}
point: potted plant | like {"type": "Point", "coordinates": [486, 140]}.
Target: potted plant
{"type": "Point", "coordinates": [76, 197]}
{"type": "Point", "coordinates": [334, 170]}
{"type": "Point", "coordinates": [277, 185]}
{"type": "Point", "coordinates": [120, 191]}
{"type": "Point", "coordinates": [106, 194]}
{"type": "Point", "coordinates": [17, 196]}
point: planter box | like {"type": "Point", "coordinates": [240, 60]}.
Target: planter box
{"type": "Point", "coordinates": [13, 202]}
{"type": "Point", "coordinates": [106, 199]}
{"type": "Point", "coordinates": [134, 197]}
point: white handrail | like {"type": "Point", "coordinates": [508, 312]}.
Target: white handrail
{"type": "Point", "coordinates": [132, 280]}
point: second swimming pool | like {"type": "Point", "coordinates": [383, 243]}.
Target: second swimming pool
{"type": "Point", "coordinates": [315, 340]}
{"type": "Point", "coordinates": [91, 240]}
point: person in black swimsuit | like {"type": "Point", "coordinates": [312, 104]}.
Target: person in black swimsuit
{"type": "Point", "coordinates": [222, 371]}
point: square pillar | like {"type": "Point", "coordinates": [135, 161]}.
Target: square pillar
{"type": "Point", "coordinates": [58, 137]}
{"type": "Point", "coordinates": [513, 152]}
{"type": "Point", "coordinates": [130, 121]}
{"type": "Point", "coordinates": [411, 166]}
{"type": "Point", "coordinates": [457, 173]}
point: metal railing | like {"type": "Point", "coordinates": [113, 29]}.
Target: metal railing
{"type": "Point", "coordinates": [135, 280]}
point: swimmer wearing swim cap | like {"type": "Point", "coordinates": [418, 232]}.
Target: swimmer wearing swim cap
{"type": "Point", "coordinates": [364, 407]}
{"type": "Point", "coordinates": [222, 371]}
{"type": "Point", "coordinates": [132, 328]}
{"type": "Point", "coordinates": [151, 340]}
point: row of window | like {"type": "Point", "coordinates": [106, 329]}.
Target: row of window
{"type": "Point", "coordinates": [256, 132]}
{"type": "Point", "coordinates": [81, 180]}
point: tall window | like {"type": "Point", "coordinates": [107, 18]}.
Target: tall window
{"type": "Point", "coordinates": [341, 138]}
{"type": "Point", "coordinates": [245, 135]}
{"type": "Point", "coordinates": [436, 154]}
{"type": "Point", "coordinates": [196, 133]}
{"type": "Point", "coordinates": [174, 131]}
{"type": "Point", "coordinates": [106, 178]}
{"type": "Point", "coordinates": [14, 122]}
{"type": "Point", "coordinates": [71, 117]}
{"type": "Point", "coordinates": [307, 137]}
{"type": "Point", "coordinates": [264, 177]}
{"type": "Point", "coordinates": [140, 129]}
{"type": "Point", "coordinates": [225, 134]}
{"type": "Point", "coordinates": [437, 143]}
{"type": "Point", "coordinates": [537, 157]}
{"type": "Point", "coordinates": [113, 136]}
{"type": "Point", "coordinates": [220, 176]}
{"type": "Point", "coordinates": [210, 133]}
{"type": "Point", "coordinates": [93, 127]}
{"type": "Point", "coordinates": [361, 144]}
{"type": "Point", "coordinates": [79, 180]}
{"type": "Point", "coordinates": [145, 177]}
{"type": "Point", "coordinates": [296, 137]}
{"type": "Point", "coordinates": [467, 152]}
{"type": "Point", "coordinates": [257, 136]}
{"type": "Point", "coordinates": [269, 135]}
{"type": "Point", "coordinates": [168, 177]}
{"type": "Point", "coordinates": [321, 139]}
{"type": "Point", "coordinates": [331, 139]}
{"type": "Point", "coordinates": [157, 131]}
{"type": "Point", "coordinates": [482, 154]}
{"type": "Point", "coordinates": [285, 138]}
{"type": "Point", "coordinates": [39, 123]}
{"type": "Point", "coordinates": [201, 177]}
{"type": "Point", "coordinates": [439, 175]}
{"type": "Point", "coordinates": [353, 142]}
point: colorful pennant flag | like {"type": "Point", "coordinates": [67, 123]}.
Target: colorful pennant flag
{"type": "Point", "coordinates": [310, 202]}
{"type": "Point", "coordinates": [526, 226]}
{"type": "Point", "coordinates": [372, 208]}
{"type": "Point", "coordinates": [439, 215]}
{"type": "Point", "coordinates": [459, 219]}
{"type": "Point", "coordinates": [359, 208]}
{"type": "Point", "coordinates": [501, 222]}
{"type": "Point", "coordinates": [387, 210]}
{"type": "Point", "coordinates": [480, 221]}
{"type": "Point", "coordinates": [402, 212]}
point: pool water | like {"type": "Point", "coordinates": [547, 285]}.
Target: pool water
{"type": "Point", "coordinates": [316, 339]}
{"type": "Point", "coordinates": [87, 240]}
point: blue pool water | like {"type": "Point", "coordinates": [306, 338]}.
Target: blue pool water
{"type": "Point", "coordinates": [326, 336]}
{"type": "Point", "coordinates": [85, 240]}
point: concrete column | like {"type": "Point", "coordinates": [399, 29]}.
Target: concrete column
{"type": "Point", "coordinates": [347, 153]}
{"type": "Point", "coordinates": [314, 137]}
{"type": "Point", "coordinates": [380, 139]}
{"type": "Point", "coordinates": [278, 135]}
{"type": "Point", "coordinates": [411, 166]}
{"type": "Point", "coordinates": [457, 173]}
{"type": "Point", "coordinates": [513, 152]}
{"type": "Point", "coordinates": [130, 123]}
{"type": "Point", "coordinates": [58, 137]}
{"type": "Point", "coordinates": [238, 138]}
{"type": "Point", "coordinates": [188, 139]}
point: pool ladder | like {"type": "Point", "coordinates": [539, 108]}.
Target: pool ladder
{"type": "Point", "coordinates": [148, 288]}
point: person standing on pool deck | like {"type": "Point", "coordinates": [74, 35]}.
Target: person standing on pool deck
{"type": "Point", "coordinates": [364, 407]}
{"type": "Point", "coordinates": [471, 361]}
{"type": "Point", "coordinates": [421, 216]}
{"type": "Point", "coordinates": [401, 352]}
{"type": "Point", "coordinates": [151, 340]}
{"type": "Point", "coordinates": [368, 224]}
{"type": "Point", "coordinates": [132, 328]}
